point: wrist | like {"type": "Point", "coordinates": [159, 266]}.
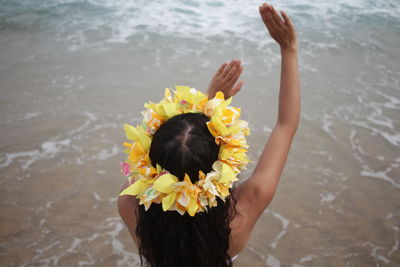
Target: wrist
{"type": "Point", "coordinates": [289, 49]}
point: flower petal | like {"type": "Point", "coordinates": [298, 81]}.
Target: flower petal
{"type": "Point", "coordinates": [192, 207]}
{"type": "Point", "coordinates": [227, 174]}
{"type": "Point", "coordinates": [136, 188]}
{"type": "Point", "coordinates": [183, 199]}
{"type": "Point", "coordinates": [137, 134]}
{"type": "Point", "coordinates": [168, 201]}
{"type": "Point", "coordinates": [164, 183]}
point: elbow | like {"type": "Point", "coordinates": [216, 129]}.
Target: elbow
{"type": "Point", "coordinates": [289, 127]}
{"type": "Point", "coordinates": [263, 196]}
{"type": "Point", "coordinates": [289, 120]}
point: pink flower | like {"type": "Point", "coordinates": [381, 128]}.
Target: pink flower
{"type": "Point", "coordinates": [125, 168]}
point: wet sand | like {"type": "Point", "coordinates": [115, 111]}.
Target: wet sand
{"type": "Point", "coordinates": [62, 113]}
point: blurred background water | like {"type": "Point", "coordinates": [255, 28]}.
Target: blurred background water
{"type": "Point", "coordinates": [72, 72]}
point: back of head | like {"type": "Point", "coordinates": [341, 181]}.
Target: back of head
{"type": "Point", "coordinates": [182, 145]}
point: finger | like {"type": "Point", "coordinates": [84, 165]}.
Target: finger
{"type": "Point", "coordinates": [221, 69]}
{"type": "Point", "coordinates": [234, 79]}
{"type": "Point", "coordinates": [237, 87]}
{"type": "Point", "coordinates": [231, 73]}
{"type": "Point", "coordinates": [265, 17]}
{"type": "Point", "coordinates": [275, 16]}
{"type": "Point", "coordinates": [286, 18]}
{"type": "Point", "coordinates": [277, 21]}
{"type": "Point", "coordinates": [235, 76]}
{"type": "Point", "coordinates": [270, 20]}
{"type": "Point", "coordinates": [228, 68]}
{"type": "Point", "coordinates": [262, 10]}
{"type": "Point", "coordinates": [265, 11]}
{"type": "Point", "coordinates": [233, 65]}
{"type": "Point", "coordinates": [235, 69]}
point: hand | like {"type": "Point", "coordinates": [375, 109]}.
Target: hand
{"type": "Point", "coordinates": [225, 80]}
{"type": "Point", "coordinates": [282, 31]}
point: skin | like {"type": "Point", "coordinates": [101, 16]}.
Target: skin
{"type": "Point", "coordinates": [257, 192]}
{"type": "Point", "coordinates": [225, 79]}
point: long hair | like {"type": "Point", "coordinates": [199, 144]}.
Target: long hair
{"type": "Point", "coordinates": [182, 145]}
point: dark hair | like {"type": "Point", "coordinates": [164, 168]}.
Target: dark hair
{"type": "Point", "coordinates": [182, 145]}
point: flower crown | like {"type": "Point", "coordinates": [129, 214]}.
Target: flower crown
{"type": "Point", "coordinates": [156, 185]}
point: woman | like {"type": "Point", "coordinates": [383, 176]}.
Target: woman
{"type": "Point", "coordinates": [184, 145]}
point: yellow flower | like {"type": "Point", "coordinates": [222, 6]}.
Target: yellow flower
{"type": "Point", "coordinates": [182, 194]}
{"type": "Point", "coordinates": [139, 135]}
{"type": "Point", "coordinates": [155, 185]}
{"type": "Point", "coordinates": [138, 187]}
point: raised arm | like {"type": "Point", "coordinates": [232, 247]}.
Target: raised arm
{"type": "Point", "coordinates": [254, 195]}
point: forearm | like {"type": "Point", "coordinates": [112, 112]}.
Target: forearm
{"type": "Point", "coordinates": [289, 93]}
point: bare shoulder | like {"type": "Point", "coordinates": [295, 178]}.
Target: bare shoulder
{"type": "Point", "coordinates": [127, 208]}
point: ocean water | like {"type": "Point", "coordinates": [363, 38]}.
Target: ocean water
{"type": "Point", "coordinates": [72, 72]}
